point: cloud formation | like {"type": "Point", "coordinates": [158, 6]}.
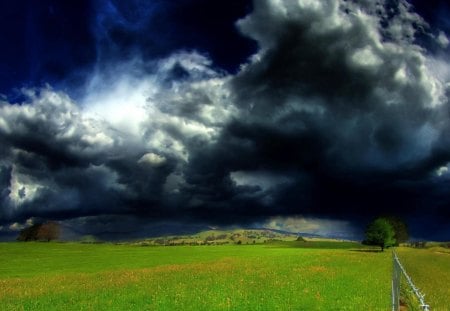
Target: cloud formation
{"type": "Point", "coordinates": [341, 114]}
{"type": "Point", "coordinates": [342, 92]}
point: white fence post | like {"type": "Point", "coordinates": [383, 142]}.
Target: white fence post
{"type": "Point", "coordinates": [395, 284]}
{"type": "Point", "coordinates": [397, 271]}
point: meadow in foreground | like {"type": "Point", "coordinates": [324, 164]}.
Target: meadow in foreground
{"type": "Point", "coordinates": [430, 271]}
{"type": "Point", "coordinates": [66, 276]}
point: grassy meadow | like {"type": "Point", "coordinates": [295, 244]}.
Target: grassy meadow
{"type": "Point", "coordinates": [430, 271]}
{"type": "Point", "coordinates": [283, 276]}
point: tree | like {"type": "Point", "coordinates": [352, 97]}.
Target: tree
{"type": "Point", "coordinates": [48, 231]}
{"type": "Point", "coordinates": [29, 233]}
{"type": "Point", "coordinates": [400, 230]}
{"type": "Point", "coordinates": [40, 232]}
{"type": "Point", "coordinates": [380, 233]}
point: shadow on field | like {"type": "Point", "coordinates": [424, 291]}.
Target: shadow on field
{"type": "Point", "coordinates": [365, 250]}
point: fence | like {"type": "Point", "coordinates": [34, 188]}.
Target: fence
{"type": "Point", "coordinates": [398, 272]}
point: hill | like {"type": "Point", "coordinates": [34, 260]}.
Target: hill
{"type": "Point", "coordinates": [233, 236]}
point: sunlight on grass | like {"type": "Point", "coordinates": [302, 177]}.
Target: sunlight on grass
{"type": "Point", "coordinates": [251, 277]}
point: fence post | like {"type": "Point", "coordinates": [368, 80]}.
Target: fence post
{"type": "Point", "coordinates": [395, 284]}
{"type": "Point", "coordinates": [398, 270]}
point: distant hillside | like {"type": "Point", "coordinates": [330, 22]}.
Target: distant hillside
{"type": "Point", "coordinates": [218, 237]}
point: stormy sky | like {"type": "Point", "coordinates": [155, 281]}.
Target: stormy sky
{"type": "Point", "coordinates": [140, 117]}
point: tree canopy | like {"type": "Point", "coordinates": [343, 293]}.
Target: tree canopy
{"type": "Point", "coordinates": [40, 232]}
{"type": "Point", "coordinates": [380, 233]}
{"type": "Point", "coordinates": [401, 234]}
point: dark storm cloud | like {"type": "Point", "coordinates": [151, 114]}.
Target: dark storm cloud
{"type": "Point", "coordinates": [64, 160]}
{"type": "Point", "coordinates": [345, 96]}
{"type": "Point", "coordinates": [55, 165]}
{"type": "Point", "coordinates": [341, 115]}
{"type": "Point", "coordinates": [341, 100]}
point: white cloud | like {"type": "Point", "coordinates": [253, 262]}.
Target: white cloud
{"type": "Point", "coordinates": [263, 179]}
{"type": "Point", "coordinates": [152, 159]}
{"type": "Point", "coordinates": [198, 66]}
{"type": "Point", "coordinates": [366, 57]}
{"type": "Point", "coordinates": [443, 170]}
{"type": "Point", "coordinates": [123, 105]}
{"type": "Point", "coordinates": [443, 40]}
{"type": "Point", "coordinates": [16, 227]}
{"type": "Point", "coordinates": [30, 222]}
{"type": "Point", "coordinates": [23, 188]}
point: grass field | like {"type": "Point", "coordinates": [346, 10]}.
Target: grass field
{"type": "Point", "coordinates": [430, 272]}
{"type": "Point", "coordinates": [64, 276]}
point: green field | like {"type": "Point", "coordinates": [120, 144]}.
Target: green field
{"type": "Point", "coordinates": [430, 272]}
{"type": "Point", "coordinates": [314, 275]}
{"type": "Point", "coordinates": [71, 276]}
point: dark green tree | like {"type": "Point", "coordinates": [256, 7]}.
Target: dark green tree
{"type": "Point", "coordinates": [29, 233]}
{"type": "Point", "coordinates": [401, 234]}
{"type": "Point", "coordinates": [380, 233]}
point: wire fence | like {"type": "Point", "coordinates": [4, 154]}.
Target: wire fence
{"type": "Point", "coordinates": [397, 274]}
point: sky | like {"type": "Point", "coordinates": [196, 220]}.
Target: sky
{"type": "Point", "coordinates": [134, 118]}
